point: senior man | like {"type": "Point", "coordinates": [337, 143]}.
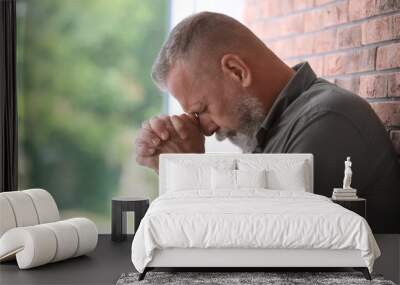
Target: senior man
{"type": "Point", "coordinates": [229, 83]}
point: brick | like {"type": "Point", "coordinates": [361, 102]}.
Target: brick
{"type": "Point", "coordinates": [395, 137]}
{"type": "Point", "coordinates": [251, 13]}
{"type": "Point", "coordinates": [349, 62]}
{"type": "Point", "coordinates": [271, 29]}
{"type": "Point", "coordinates": [359, 9]}
{"type": "Point", "coordinates": [283, 48]}
{"type": "Point", "coordinates": [396, 25]}
{"type": "Point", "coordinates": [292, 62]}
{"type": "Point", "coordinates": [324, 41]}
{"type": "Point", "coordinates": [328, 16]}
{"type": "Point", "coordinates": [394, 85]}
{"type": "Point", "coordinates": [293, 24]}
{"type": "Point", "coordinates": [388, 112]}
{"type": "Point", "coordinates": [286, 6]}
{"type": "Point", "coordinates": [388, 56]}
{"type": "Point", "coordinates": [275, 28]}
{"type": "Point", "coordinates": [373, 86]}
{"type": "Point", "coordinates": [352, 84]}
{"type": "Point", "coordinates": [334, 64]}
{"type": "Point", "coordinates": [384, 6]}
{"type": "Point", "coordinates": [303, 45]}
{"type": "Point", "coordinates": [302, 4]}
{"type": "Point", "coordinates": [349, 37]}
{"type": "Point", "coordinates": [272, 8]}
{"type": "Point", "coordinates": [313, 20]}
{"type": "Point", "coordinates": [335, 14]}
{"type": "Point", "coordinates": [380, 29]}
{"type": "Point", "coordinates": [322, 2]}
{"type": "Point", "coordinates": [317, 64]}
{"type": "Point", "coordinates": [258, 28]}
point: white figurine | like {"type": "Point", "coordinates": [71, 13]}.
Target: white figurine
{"type": "Point", "coordinates": [347, 174]}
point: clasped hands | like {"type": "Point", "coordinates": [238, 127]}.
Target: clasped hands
{"type": "Point", "coordinates": [168, 134]}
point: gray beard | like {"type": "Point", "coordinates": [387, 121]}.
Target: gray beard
{"type": "Point", "coordinates": [251, 115]}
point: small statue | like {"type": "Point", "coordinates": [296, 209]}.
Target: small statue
{"type": "Point", "coordinates": [347, 174]}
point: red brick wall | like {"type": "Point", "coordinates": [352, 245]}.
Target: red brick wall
{"type": "Point", "coordinates": [353, 43]}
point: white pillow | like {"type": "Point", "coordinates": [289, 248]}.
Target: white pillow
{"type": "Point", "coordinates": [251, 178]}
{"type": "Point", "coordinates": [226, 179]}
{"type": "Point", "coordinates": [193, 174]}
{"type": "Point", "coordinates": [223, 179]}
{"type": "Point", "coordinates": [281, 174]}
{"type": "Point", "coordinates": [191, 177]}
{"type": "Point", "coordinates": [292, 179]}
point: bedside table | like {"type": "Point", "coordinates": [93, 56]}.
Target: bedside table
{"type": "Point", "coordinates": [121, 205]}
{"type": "Point", "coordinates": [358, 206]}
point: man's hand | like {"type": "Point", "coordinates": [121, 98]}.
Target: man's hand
{"type": "Point", "coordinates": [164, 134]}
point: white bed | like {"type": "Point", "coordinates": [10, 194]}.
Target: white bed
{"type": "Point", "coordinates": [210, 226]}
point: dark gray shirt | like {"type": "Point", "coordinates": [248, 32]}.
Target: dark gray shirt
{"type": "Point", "coordinates": [311, 115]}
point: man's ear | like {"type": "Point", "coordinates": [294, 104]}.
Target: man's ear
{"type": "Point", "coordinates": [234, 67]}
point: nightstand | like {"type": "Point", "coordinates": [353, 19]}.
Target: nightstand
{"type": "Point", "coordinates": [120, 206]}
{"type": "Point", "coordinates": [358, 205]}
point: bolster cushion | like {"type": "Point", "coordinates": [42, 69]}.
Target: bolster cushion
{"type": "Point", "coordinates": [40, 244]}
{"type": "Point", "coordinates": [26, 208]}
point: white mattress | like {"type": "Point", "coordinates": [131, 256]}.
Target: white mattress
{"type": "Point", "coordinates": [253, 218]}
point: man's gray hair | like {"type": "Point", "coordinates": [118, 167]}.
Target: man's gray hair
{"type": "Point", "coordinates": [205, 31]}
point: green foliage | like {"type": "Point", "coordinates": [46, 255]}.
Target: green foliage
{"type": "Point", "coordinates": [83, 88]}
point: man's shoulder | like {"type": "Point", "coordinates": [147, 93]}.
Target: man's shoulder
{"type": "Point", "coordinates": [326, 97]}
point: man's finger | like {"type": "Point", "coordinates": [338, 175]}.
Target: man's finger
{"type": "Point", "coordinates": [191, 119]}
{"type": "Point", "coordinates": [144, 150]}
{"type": "Point", "coordinates": [180, 127]}
{"type": "Point", "coordinates": [146, 125]}
{"type": "Point", "coordinates": [147, 137]}
{"type": "Point", "coordinates": [167, 121]}
{"type": "Point", "coordinates": [151, 162]}
{"type": "Point", "coordinates": [159, 126]}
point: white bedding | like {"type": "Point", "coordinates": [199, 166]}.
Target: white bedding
{"type": "Point", "coordinates": [251, 218]}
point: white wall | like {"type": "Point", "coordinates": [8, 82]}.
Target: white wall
{"type": "Point", "coordinates": [183, 8]}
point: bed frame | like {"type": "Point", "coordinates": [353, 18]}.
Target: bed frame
{"type": "Point", "coordinates": [241, 259]}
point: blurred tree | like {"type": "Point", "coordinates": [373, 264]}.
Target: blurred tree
{"type": "Point", "coordinates": [83, 88]}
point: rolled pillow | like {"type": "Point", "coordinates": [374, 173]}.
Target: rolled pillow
{"type": "Point", "coordinates": [33, 246]}
{"type": "Point", "coordinates": [26, 208]}
{"type": "Point", "coordinates": [67, 239]}
{"type": "Point", "coordinates": [46, 207]}
{"type": "Point", "coordinates": [7, 218]}
{"type": "Point", "coordinates": [40, 244]}
{"type": "Point", "coordinates": [87, 234]}
{"type": "Point", "coordinates": [23, 208]}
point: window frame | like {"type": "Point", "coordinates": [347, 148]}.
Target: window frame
{"type": "Point", "coordinates": [8, 98]}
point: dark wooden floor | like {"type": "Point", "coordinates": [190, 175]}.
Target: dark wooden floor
{"type": "Point", "coordinates": [102, 266]}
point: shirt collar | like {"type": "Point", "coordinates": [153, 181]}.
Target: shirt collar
{"type": "Point", "coordinates": [300, 82]}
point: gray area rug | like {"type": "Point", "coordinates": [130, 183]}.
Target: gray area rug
{"type": "Point", "coordinates": [273, 278]}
